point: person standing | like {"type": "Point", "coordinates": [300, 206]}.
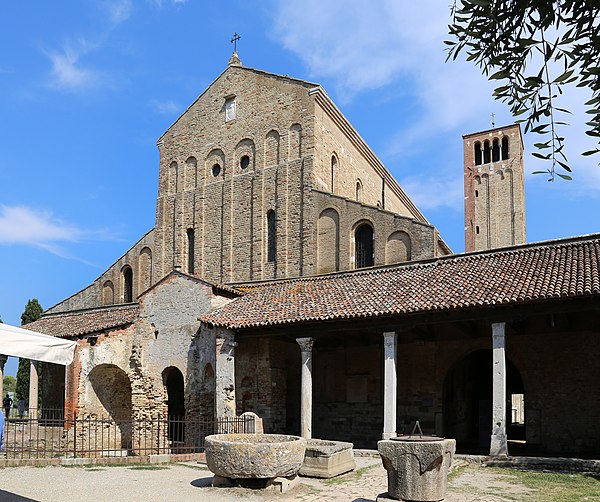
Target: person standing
{"type": "Point", "coordinates": [7, 403]}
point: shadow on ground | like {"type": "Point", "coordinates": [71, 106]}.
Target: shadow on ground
{"type": "Point", "coordinates": [201, 482]}
{"type": "Point", "coordinates": [13, 497]}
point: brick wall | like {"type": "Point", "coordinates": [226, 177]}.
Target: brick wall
{"type": "Point", "coordinates": [494, 192]}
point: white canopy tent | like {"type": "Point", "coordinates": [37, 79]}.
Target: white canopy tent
{"type": "Point", "coordinates": [19, 342]}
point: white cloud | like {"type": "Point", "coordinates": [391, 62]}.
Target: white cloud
{"type": "Point", "coordinates": [67, 73]}
{"type": "Point", "coordinates": [23, 225]}
{"type": "Point", "coordinates": [160, 3]}
{"type": "Point", "coordinates": [166, 107]}
{"type": "Point", "coordinates": [119, 11]}
{"type": "Point", "coordinates": [362, 45]}
{"type": "Point", "coordinates": [435, 193]}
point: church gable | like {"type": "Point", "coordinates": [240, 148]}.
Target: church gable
{"type": "Point", "coordinates": [244, 112]}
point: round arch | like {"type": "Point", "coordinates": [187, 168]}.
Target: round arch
{"type": "Point", "coordinates": [174, 387]}
{"type": "Point", "coordinates": [467, 401]}
{"type": "Point", "coordinates": [363, 237]}
{"type": "Point", "coordinates": [109, 396]}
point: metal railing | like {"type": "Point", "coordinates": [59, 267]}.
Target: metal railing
{"type": "Point", "coordinates": [52, 435]}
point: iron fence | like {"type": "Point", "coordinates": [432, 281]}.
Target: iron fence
{"type": "Point", "coordinates": [46, 434]}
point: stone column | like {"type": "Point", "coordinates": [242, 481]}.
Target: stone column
{"type": "Point", "coordinates": [498, 444]}
{"type": "Point", "coordinates": [225, 375]}
{"type": "Point", "coordinates": [306, 345]}
{"type": "Point", "coordinates": [390, 384]}
{"type": "Point", "coordinates": [33, 390]}
{"type": "Point", "coordinates": [3, 360]}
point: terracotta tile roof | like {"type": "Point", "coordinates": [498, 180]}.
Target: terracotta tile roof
{"type": "Point", "coordinates": [532, 272]}
{"type": "Point", "coordinates": [82, 322]}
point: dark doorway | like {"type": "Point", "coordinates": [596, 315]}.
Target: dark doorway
{"type": "Point", "coordinates": [468, 402]}
{"type": "Point", "coordinates": [173, 381]}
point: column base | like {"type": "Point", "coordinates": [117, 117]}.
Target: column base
{"type": "Point", "coordinates": [388, 435]}
{"type": "Point", "coordinates": [499, 445]}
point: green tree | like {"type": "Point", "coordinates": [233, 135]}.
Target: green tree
{"type": "Point", "coordinates": [22, 387]}
{"type": "Point", "coordinates": [33, 311]}
{"type": "Point", "coordinates": [9, 383]}
{"type": "Point", "coordinates": [534, 50]}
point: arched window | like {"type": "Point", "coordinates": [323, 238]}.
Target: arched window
{"type": "Point", "coordinates": [190, 173]}
{"type": "Point", "coordinates": [173, 174]}
{"type": "Point", "coordinates": [190, 250]}
{"type": "Point", "coordinates": [486, 152]}
{"type": "Point", "coordinates": [359, 190]}
{"type": "Point", "coordinates": [328, 241]}
{"type": "Point", "coordinates": [398, 248]}
{"type": "Point", "coordinates": [496, 150]}
{"type": "Point", "coordinates": [505, 148]}
{"type": "Point", "coordinates": [271, 236]}
{"type": "Point", "coordinates": [144, 271]}
{"type": "Point", "coordinates": [334, 163]}
{"type": "Point", "coordinates": [108, 293]}
{"type": "Point", "coordinates": [363, 246]}
{"type": "Point", "coordinates": [127, 284]}
{"type": "Point", "coordinates": [478, 157]}
{"type": "Point", "coordinates": [272, 149]}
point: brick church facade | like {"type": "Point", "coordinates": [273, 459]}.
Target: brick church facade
{"type": "Point", "coordinates": [284, 251]}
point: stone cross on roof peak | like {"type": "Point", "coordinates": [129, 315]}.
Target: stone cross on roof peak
{"type": "Point", "coordinates": [234, 60]}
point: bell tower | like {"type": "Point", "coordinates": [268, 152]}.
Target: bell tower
{"type": "Point", "coordinates": [494, 188]}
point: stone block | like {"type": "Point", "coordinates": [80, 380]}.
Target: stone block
{"type": "Point", "coordinates": [160, 459]}
{"type": "Point", "coordinates": [283, 484]}
{"type": "Point", "coordinates": [326, 459]}
{"type": "Point", "coordinates": [75, 461]}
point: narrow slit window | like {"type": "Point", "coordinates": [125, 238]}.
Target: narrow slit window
{"type": "Point", "coordinates": [271, 237]}
{"type": "Point", "coordinates": [127, 285]}
{"type": "Point", "coordinates": [190, 243]}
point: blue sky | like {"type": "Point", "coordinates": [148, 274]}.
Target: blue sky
{"type": "Point", "coordinates": [88, 86]}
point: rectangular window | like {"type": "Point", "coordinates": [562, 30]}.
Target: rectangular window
{"type": "Point", "coordinates": [229, 109]}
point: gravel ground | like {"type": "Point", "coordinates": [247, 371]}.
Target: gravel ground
{"type": "Point", "coordinates": [191, 481]}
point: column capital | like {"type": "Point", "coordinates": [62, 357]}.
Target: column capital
{"type": "Point", "coordinates": [306, 344]}
{"type": "Point", "coordinates": [498, 328]}
{"type": "Point", "coordinates": [390, 338]}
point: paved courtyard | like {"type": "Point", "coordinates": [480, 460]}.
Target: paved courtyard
{"type": "Point", "coordinates": [191, 481]}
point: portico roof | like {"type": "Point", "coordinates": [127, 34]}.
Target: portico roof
{"type": "Point", "coordinates": [86, 321]}
{"type": "Point", "coordinates": [560, 269]}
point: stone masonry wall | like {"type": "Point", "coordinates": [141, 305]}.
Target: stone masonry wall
{"type": "Point", "coordinates": [166, 336]}
{"type": "Point", "coordinates": [253, 143]}
{"type": "Point", "coordinates": [226, 206]}
{"type": "Point", "coordinates": [350, 167]}
{"type": "Point", "coordinates": [417, 239]}
{"type": "Point", "coordinates": [261, 381]}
